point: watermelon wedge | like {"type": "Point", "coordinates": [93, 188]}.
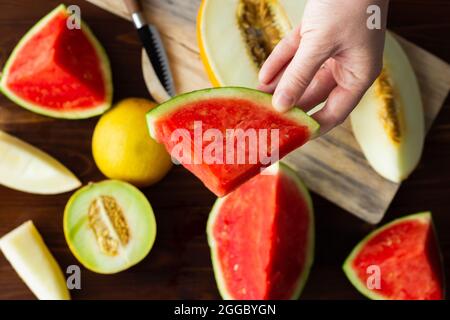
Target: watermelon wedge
{"type": "Point", "coordinates": [399, 261]}
{"type": "Point", "coordinates": [262, 237]}
{"type": "Point", "coordinates": [57, 71]}
{"type": "Point", "coordinates": [225, 136]}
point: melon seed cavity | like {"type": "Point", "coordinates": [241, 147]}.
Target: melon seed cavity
{"type": "Point", "coordinates": [262, 25]}
{"type": "Point", "coordinates": [390, 110]}
{"type": "Point", "coordinates": [107, 221]}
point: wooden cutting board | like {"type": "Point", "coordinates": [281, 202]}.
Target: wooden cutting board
{"type": "Point", "coordinates": [332, 166]}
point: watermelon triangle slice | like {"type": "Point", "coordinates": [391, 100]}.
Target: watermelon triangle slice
{"type": "Point", "coordinates": [226, 135]}
{"type": "Point", "coordinates": [399, 261]}
{"type": "Point", "coordinates": [59, 71]}
{"type": "Point", "coordinates": [261, 237]}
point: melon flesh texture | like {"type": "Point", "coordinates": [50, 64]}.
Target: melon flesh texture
{"type": "Point", "coordinates": [394, 159]}
{"type": "Point", "coordinates": [57, 71]}
{"type": "Point", "coordinates": [222, 109]}
{"type": "Point", "coordinates": [261, 237]}
{"type": "Point", "coordinates": [28, 169]}
{"type": "Point", "coordinates": [25, 249]}
{"type": "Point", "coordinates": [222, 45]}
{"type": "Point", "coordinates": [407, 254]}
{"type": "Point", "coordinates": [86, 244]}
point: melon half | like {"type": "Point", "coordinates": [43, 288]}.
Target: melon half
{"type": "Point", "coordinates": [236, 36]}
{"type": "Point", "coordinates": [58, 71]}
{"type": "Point", "coordinates": [262, 237]}
{"type": "Point", "coordinates": [109, 226]}
{"type": "Point", "coordinates": [389, 121]}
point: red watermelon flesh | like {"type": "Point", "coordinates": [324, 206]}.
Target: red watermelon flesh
{"type": "Point", "coordinates": [223, 109]}
{"type": "Point", "coordinates": [58, 71]}
{"type": "Point", "coordinates": [261, 237]}
{"type": "Point", "coordinates": [407, 254]}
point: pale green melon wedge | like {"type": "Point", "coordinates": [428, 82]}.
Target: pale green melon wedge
{"type": "Point", "coordinates": [26, 168]}
{"type": "Point", "coordinates": [25, 249]}
{"type": "Point", "coordinates": [389, 121]}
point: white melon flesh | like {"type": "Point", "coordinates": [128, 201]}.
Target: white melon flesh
{"type": "Point", "coordinates": [392, 146]}
{"type": "Point", "coordinates": [109, 226]}
{"type": "Point", "coordinates": [224, 51]}
{"type": "Point", "coordinates": [26, 251]}
{"type": "Point", "coordinates": [26, 168]}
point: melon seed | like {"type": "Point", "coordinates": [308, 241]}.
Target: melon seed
{"type": "Point", "coordinates": [102, 210]}
{"type": "Point", "coordinates": [261, 27]}
{"type": "Point", "coordinates": [390, 110]}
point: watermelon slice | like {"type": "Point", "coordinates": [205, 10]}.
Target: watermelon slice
{"type": "Point", "coordinates": [193, 124]}
{"type": "Point", "coordinates": [57, 71]}
{"type": "Point", "coordinates": [262, 237]}
{"type": "Point", "coordinates": [405, 257]}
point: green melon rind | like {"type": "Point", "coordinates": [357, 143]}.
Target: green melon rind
{"type": "Point", "coordinates": [120, 184]}
{"type": "Point", "coordinates": [347, 266]}
{"type": "Point", "coordinates": [225, 294]}
{"type": "Point", "coordinates": [104, 63]}
{"type": "Point", "coordinates": [264, 100]}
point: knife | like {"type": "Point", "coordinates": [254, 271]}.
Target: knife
{"type": "Point", "coordinates": [162, 88]}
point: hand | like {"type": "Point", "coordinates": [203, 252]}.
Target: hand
{"type": "Point", "coordinates": [331, 56]}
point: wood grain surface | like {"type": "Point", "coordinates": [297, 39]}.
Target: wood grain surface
{"type": "Point", "coordinates": [332, 166]}
{"type": "Point", "coordinates": [179, 264]}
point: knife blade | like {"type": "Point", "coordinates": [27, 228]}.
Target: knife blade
{"type": "Point", "coordinates": [154, 48]}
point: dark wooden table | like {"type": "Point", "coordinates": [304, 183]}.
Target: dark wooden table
{"type": "Point", "coordinates": [179, 265]}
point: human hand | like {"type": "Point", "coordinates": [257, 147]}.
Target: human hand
{"type": "Point", "coordinates": [331, 56]}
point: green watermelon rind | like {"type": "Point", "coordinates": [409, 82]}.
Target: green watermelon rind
{"type": "Point", "coordinates": [78, 114]}
{"type": "Point", "coordinates": [303, 277]}
{"type": "Point", "coordinates": [347, 266]}
{"type": "Point", "coordinates": [264, 99]}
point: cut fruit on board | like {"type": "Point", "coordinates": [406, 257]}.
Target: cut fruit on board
{"type": "Point", "coordinates": [58, 71]}
{"type": "Point", "coordinates": [28, 169]}
{"type": "Point", "coordinates": [333, 165]}
{"type": "Point", "coordinates": [245, 31]}
{"type": "Point", "coordinates": [399, 261]}
{"type": "Point", "coordinates": [262, 237]}
{"type": "Point", "coordinates": [226, 135]}
{"type": "Point", "coordinates": [24, 248]}
{"type": "Point", "coordinates": [109, 226]}
{"type": "Point", "coordinates": [389, 122]}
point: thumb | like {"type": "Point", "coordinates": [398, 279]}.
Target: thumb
{"type": "Point", "coordinates": [301, 70]}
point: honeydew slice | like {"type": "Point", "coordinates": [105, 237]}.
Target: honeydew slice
{"type": "Point", "coordinates": [26, 168]}
{"type": "Point", "coordinates": [25, 249]}
{"type": "Point", "coordinates": [389, 121]}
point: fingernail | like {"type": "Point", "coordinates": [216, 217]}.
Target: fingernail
{"type": "Point", "coordinates": [282, 102]}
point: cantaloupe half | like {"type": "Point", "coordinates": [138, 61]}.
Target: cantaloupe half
{"type": "Point", "coordinates": [389, 121]}
{"type": "Point", "coordinates": [236, 36]}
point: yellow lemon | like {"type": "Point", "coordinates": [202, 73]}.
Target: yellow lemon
{"type": "Point", "coordinates": [123, 148]}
